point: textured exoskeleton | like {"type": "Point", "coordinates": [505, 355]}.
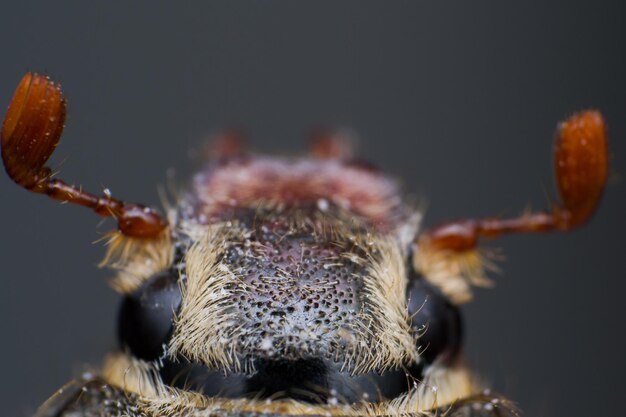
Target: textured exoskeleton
{"type": "Point", "coordinates": [288, 286]}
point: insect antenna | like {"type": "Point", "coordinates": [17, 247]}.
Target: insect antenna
{"type": "Point", "coordinates": [31, 131]}
{"type": "Point", "coordinates": [449, 255]}
{"type": "Point", "coordinates": [581, 167]}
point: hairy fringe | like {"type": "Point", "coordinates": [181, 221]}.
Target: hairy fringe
{"type": "Point", "coordinates": [133, 375]}
{"type": "Point", "coordinates": [136, 260]}
{"type": "Point", "coordinates": [454, 272]}
{"type": "Point", "coordinates": [442, 386]}
{"type": "Point", "coordinates": [384, 315]}
{"type": "Point", "coordinates": [206, 326]}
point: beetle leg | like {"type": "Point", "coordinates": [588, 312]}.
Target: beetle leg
{"type": "Point", "coordinates": [31, 131]}
{"type": "Point", "coordinates": [581, 166]}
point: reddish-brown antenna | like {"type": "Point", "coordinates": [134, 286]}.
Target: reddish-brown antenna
{"type": "Point", "coordinates": [581, 165]}
{"type": "Point", "coordinates": [31, 131]}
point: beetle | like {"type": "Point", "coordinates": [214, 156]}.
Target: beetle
{"type": "Point", "coordinates": [289, 286]}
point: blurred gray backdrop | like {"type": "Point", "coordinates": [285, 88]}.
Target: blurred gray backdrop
{"type": "Point", "coordinates": [458, 99]}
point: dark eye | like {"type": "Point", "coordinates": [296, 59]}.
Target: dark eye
{"type": "Point", "coordinates": [146, 316]}
{"type": "Point", "coordinates": [436, 319]}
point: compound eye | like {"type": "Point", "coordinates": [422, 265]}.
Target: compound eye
{"type": "Point", "coordinates": [146, 316]}
{"type": "Point", "coordinates": [436, 320]}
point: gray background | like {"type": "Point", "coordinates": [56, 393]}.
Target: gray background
{"type": "Point", "coordinates": [459, 100]}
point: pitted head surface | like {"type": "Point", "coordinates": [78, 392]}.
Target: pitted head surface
{"type": "Point", "coordinates": [298, 293]}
